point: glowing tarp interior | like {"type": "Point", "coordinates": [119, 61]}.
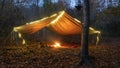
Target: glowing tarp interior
{"type": "Point", "coordinates": [65, 24]}
{"type": "Point", "coordinates": [61, 23]}
{"type": "Point", "coordinates": [33, 27]}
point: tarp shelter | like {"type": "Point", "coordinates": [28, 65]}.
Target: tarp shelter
{"type": "Point", "coordinates": [60, 22]}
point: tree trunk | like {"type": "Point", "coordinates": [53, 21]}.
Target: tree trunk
{"type": "Point", "coordinates": [85, 34]}
{"type": "Point", "coordinates": [2, 6]}
{"type": "Point", "coordinates": [85, 31]}
{"type": "Point", "coordinates": [119, 3]}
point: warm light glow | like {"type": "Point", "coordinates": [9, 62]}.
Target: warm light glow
{"type": "Point", "coordinates": [53, 15]}
{"type": "Point", "coordinates": [98, 32]}
{"type": "Point", "coordinates": [57, 45]}
{"type": "Point", "coordinates": [23, 42]}
{"type": "Point", "coordinates": [44, 18]}
{"type": "Point", "coordinates": [37, 21]}
{"type": "Point", "coordinates": [19, 35]}
{"type": "Point", "coordinates": [93, 31]}
{"type": "Point", "coordinates": [62, 12]}
{"type": "Point", "coordinates": [14, 29]}
{"type": "Point", "coordinates": [91, 28]}
{"type": "Point", "coordinates": [77, 20]}
{"type": "Point", "coordinates": [27, 23]}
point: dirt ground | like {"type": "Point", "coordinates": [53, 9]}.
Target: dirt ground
{"type": "Point", "coordinates": [104, 55]}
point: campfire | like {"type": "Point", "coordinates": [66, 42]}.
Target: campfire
{"type": "Point", "coordinates": [57, 45]}
{"type": "Point", "coordinates": [62, 45]}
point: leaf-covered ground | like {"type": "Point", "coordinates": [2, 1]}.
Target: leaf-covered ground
{"type": "Point", "coordinates": [104, 55]}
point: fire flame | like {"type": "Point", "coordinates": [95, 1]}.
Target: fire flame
{"type": "Point", "coordinates": [57, 45]}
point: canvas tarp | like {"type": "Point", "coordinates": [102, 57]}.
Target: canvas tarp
{"type": "Point", "coordinates": [61, 23]}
